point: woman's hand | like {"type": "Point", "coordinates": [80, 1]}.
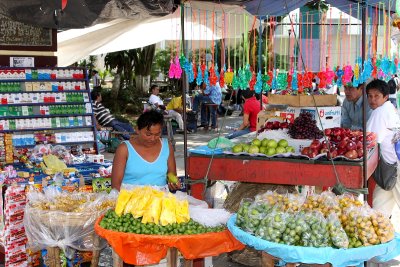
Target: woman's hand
{"type": "Point", "coordinates": [174, 186]}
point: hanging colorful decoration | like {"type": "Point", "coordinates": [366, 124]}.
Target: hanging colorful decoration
{"type": "Point", "coordinates": [206, 78]}
{"type": "Point", "coordinates": [228, 76]}
{"type": "Point", "coordinates": [339, 75]}
{"type": "Point", "coordinates": [282, 83]}
{"type": "Point", "coordinates": [274, 84]}
{"type": "Point", "coordinates": [199, 78]}
{"type": "Point", "coordinates": [347, 75]}
{"type": "Point", "coordinates": [252, 81]}
{"type": "Point", "coordinates": [367, 70]}
{"type": "Point", "coordinates": [259, 83]}
{"type": "Point", "coordinates": [322, 79]}
{"type": "Point", "coordinates": [222, 77]}
{"type": "Point", "coordinates": [265, 80]}
{"type": "Point", "coordinates": [213, 78]}
{"type": "Point", "coordinates": [295, 81]}
{"type": "Point", "coordinates": [385, 69]}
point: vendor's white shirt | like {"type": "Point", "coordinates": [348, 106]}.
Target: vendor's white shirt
{"type": "Point", "coordinates": [155, 99]}
{"type": "Point", "coordinates": [381, 119]}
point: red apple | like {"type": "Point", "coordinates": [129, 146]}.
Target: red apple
{"type": "Point", "coordinates": [324, 144]}
{"type": "Point", "coordinates": [332, 154]}
{"type": "Point", "coordinates": [276, 125]}
{"type": "Point", "coordinates": [342, 144]}
{"type": "Point", "coordinates": [328, 131]}
{"type": "Point", "coordinates": [341, 151]}
{"type": "Point", "coordinates": [351, 146]}
{"type": "Point", "coordinates": [359, 144]}
{"type": "Point", "coordinates": [312, 152]}
{"type": "Point", "coordinates": [323, 150]}
{"type": "Point", "coordinates": [351, 154]}
{"type": "Point", "coordinates": [337, 131]}
{"type": "Point", "coordinates": [305, 151]}
{"type": "Point", "coordinates": [315, 144]}
{"type": "Point", "coordinates": [284, 125]}
{"type": "Point", "coordinates": [360, 152]}
{"type": "Point", "coordinates": [269, 125]}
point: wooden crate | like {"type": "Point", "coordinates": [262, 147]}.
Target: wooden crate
{"type": "Point", "coordinates": [303, 100]}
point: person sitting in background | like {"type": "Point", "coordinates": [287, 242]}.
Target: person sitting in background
{"type": "Point", "coordinates": [392, 92]}
{"type": "Point", "coordinates": [175, 105]}
{"type": "Point", "coordinates": [352, 107]}
{"type": "Point", "coordinates": [158, 104]}
{"type": "Point", "coordinates": [211, 94]}
{"type": "Point", "coordinates": [251, 109]}
{"type": "Point", "coordinates": [146, 158]}
{"type": "Point", "coordinates": [384, 117]}
{"type": "Point", "coordinates": [96, 80]}
{"type": "Point", "coordinates": [105, 119]}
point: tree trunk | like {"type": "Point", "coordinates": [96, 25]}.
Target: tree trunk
{"type": "Point", "coordinates": [116, 84]}
{"type": "Point", "coordinates": [143, 83]}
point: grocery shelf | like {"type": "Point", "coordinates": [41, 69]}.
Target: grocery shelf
{"type": "Point", "coordinates": [45, 103]}
{"type": "Point", "coordinates": [44, 116]}
{"type": "Point", "coordinates": [48, 91]}
{"type": "Point", "coordinates": [47, 129]}
{"type": "Point", "coordinates": [64, 144]}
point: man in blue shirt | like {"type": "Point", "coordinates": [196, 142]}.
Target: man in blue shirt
{"type": "Point", "coordinates": [352, 108]}
{"type": "Point", "coordinates": [211, 95]}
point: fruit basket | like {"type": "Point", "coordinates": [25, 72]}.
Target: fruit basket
{"type": "Point", "coordinates": [142, 249]}
{"type": "Point", "coordinates": [312, 255]}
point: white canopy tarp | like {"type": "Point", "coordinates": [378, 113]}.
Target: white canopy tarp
{"type": "Point", "coordinates": [122, 34]}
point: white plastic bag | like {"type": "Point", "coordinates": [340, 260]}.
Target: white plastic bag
{"type": "Point", "coordinates": [209, 217]}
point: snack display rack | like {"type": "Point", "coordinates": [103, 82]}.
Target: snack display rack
{"type": "Point", "coordinates": [45, 105]}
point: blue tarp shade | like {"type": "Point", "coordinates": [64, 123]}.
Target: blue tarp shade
{"type": "Point", "coordinates": [310, 255]}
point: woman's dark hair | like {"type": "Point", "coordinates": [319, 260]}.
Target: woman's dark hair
{"type": "Point", "coordinates": [379, 85]}
{"type": "Point", "coordinates": [95, 94]}
{"type": "Point", "coordinates": [392, 86]}
{"type": "Point", "coordinates": [150, 118]}
{"type": "Point", "coordinates": [153, 87]}
{"type": "Point", "coordinates": [247, 93]}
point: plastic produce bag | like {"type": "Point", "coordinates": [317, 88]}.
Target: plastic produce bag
{"type": "Point", "coordinates": [243, 211]}
{"type": "Point", "coordinates": [293, 202]}
{"type": "Point", "coordinates": [336, 231]}
{"type": "Point", "coordinates": [209, 217]}
{"type": "Point", "coordinates": [65, 220]}
{"type": "Point", "coordinates": [329, 203]}
{"type": "Point", "coordinates": [220, 142]}
{"type": "Point", "coordinates": [54, 163]}
{"type": "Point", "coordinates": [349, 222]}
{"type": "Point", "coordinates": [366, 231]}
{"type": "Point", "coordinates": [383, 227]}
{"type": "Point", "coordinates": [168, 212]}
{"type": "Point", "coordinates": [317, 235]}
{"type": "Point", "coordinates": [272, 226]}
{"type": "Point", "coordinates": [295, 228]}
{"type": "Point", "coordinates": [256, 212]}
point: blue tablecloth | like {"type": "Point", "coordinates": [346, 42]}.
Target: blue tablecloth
{"type": "Point", "coordinates": [310, 255]}
{"type": "Point", "coordinates": [205, 150]}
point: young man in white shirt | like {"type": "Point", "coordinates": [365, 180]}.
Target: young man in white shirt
{"type": "Point", "coordinates": [158, 104]}
{"type": "Point", "coordinates": [383, 117]}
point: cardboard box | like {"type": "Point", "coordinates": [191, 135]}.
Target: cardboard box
{"type": "Point", "coordinates": [303, 100]}
{"type": "Point", "coordinates": [330, 116]}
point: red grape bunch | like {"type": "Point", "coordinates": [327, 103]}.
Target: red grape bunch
{"type": "Point", "coordinates": [305, 127]}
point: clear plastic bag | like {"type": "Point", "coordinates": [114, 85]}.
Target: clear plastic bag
{"type": "Point", "coordinates": [383, 227]}
{"type": "Point", "coordinates": [256, 212]}
{"type": "Point", "coordinates": [349, 221]}
{"type": "Point", "coordinates": [317, 235]}
{"type": "Point", "coordinates": [366, 231]}
{"type": "Point", "coordinates": [243, 211]}
{"type": "Point", "coordinates": [336, 231]}
{"type": "Point", "coordinates": [295, 227]}
{"type": "Point", "coordinates": [273, 226]}
{"type": "Point", "coordinates": [65, 220]}
{"type": "Point", "coordinates": [209, 217]}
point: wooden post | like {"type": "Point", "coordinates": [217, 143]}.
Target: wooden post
{"type": "Point", "coordinates": [188, 263]}
{"type": "Point", "coordinates": [117, 261]}
{"type": "Point", "coordinates": [172, 257]}
{"type": "Point", "coordinates": [53, 256]}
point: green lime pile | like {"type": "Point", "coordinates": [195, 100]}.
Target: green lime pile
{"type": "Point", "coordinates": [128, 224]}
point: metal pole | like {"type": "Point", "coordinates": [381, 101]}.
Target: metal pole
{"type": "Point", "coordinates": [183, 80]}
{"type": "Point", "coordinates": [365, 154]}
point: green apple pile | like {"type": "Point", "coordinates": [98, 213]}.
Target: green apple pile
{"type": "Point", "coordinates": [269, 147]}
{"type": "Point", "coordinates": [318, 220]}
